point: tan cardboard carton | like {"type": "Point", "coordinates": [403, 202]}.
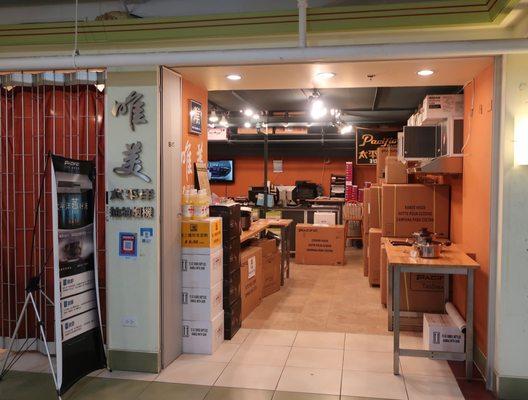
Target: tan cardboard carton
{"type": "Point", "coordinates": [250, 279]}
{"type": "Point", "coordinates": [381, 154]}
{"type": "Point", "coordinates": [268, 246]}
{"type": "Point", "coordinates": [323, 245]}
{"type": "Point", "coordinates": [395, 170]}
{"type": "Point", "coordinates": [383, 274]}
{"type": "Point", "coordinates": [374, 207]}
{"type": "Point", "coordinates": [365, 254]}
{"type": "Point", "coordinates": [366, 201]}
{"type": "Point", "coordinates": [271, 274]}
{"type": "Point", "coordinates": [408, 207]}
{"type": "Point", "coordinates": [374, 256]}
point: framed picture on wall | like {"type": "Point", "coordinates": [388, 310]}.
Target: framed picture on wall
{"type": "Point", "coordinates": [195, 117]}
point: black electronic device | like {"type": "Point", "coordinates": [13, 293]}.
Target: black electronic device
{"type": "Point", "coordinates": [306, 190]}
{"type": "Point", "coordinates": [221, 171]}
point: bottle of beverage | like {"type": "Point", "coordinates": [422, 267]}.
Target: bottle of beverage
{"type": "Point", "coordinates": [201, 205]}
{"type": "Point", "coordinates": [187, 205]}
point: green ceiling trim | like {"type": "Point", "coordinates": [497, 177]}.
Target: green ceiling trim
{"type": "Point", "coordinates": [320, 20]}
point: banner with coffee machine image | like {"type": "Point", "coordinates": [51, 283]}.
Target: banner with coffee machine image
{"type": "Point", "coordinates": [78, 333]}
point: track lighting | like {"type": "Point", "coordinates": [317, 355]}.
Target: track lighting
{"type": "Point", "coordinates": [213, 118]}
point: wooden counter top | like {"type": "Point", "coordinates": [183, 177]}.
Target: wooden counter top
{"type": "Point", "coordinates": [451, 257]}
{"type": "Point", "coordinates": [262, 224]}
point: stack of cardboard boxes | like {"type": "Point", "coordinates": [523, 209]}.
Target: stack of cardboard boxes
{"type": "Point", "coordinates": [203, 317]}
{"type": "Point", "coordinates": [250, 279]}
{"type": "Point", "coordinates": [320, 244]}
{"type": "Point", "coordinates": [232, 303]}
{"type": "Point", "coordinates": [271, 259]}
{"type": "Point", "coordinates": [395, 209]}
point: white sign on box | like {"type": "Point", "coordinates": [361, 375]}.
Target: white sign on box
{"type": "Point", "coordinates": [252, 267]}
{"type": "Point", "coordinates": [441, 334]}
{"type": "Point", "coordinates": [203, 337]}
{"type": "Point", "coordinates": [202, 303]}
{"type": "Point", "coordinates": [202, 270]}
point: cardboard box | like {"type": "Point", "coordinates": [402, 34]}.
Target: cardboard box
{"type": "Point", "coordinates": [407, 208]}
{"type": "Point", "coordinates": [366, 201]}
{"type": "Point", "coordinates": [271, 274]}
{"type": "Point", "coordinates": [395, 170]}
{"type": "Point", "coordinates": [381, 154]}
{"type": "Point", "coordinates": [201, 236]}
{"type": "Point", "coordinates": [201, 270]}
{"type": "Point", "coordinates": [365, 254]}
{"type": "Point", "coordinates": [250, 279]}
{"type": "Point", "coordinates": [323, 245]}
{"type": "Point", "coordinates": [374, 256]}
{"type": "Point", "coordinates": [232, 287]}
{"type": "Point", "coordinates": [324, 218]}
{"type": "Point", "coordinates": [231, 255]}
{"type": "Point", "coordinates": [383, 275]}
{"type": "Point", "coordinates": [268, 246]}
{"type": "Point", "coordinates": [230, 215]}
{"type": "Point", "coordinates": [422, 292]}
{"type": "Point", "coordinates": [441, 334]}
{"type": "Point", "coordinates": [232, 319]}
{"type": "Point", "coordinates": [203, 337]}
{"type": "Point", "coordinates": [374, 207]}
{"type": "Point", "coordinates": [202, 303]}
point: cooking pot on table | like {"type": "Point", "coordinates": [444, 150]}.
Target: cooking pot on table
{"type": "Point", "coordinates": [425, 245]}
{"type": "Point", "coordinates": [245, 218]}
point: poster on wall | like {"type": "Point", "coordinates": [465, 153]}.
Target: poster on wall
{"type": "Point", "coordinates": [367, 142]}
{"type": "Point", "coordinates": [78, 333]}
{"type": "Point", "coordinates": [195, 117]}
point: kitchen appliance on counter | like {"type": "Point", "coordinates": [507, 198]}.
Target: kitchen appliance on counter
{"type": "Point", "coordinates": [425, 245]}
{"type": "Point", "coordinates": [245, 218]}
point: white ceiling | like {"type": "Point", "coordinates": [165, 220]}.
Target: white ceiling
{"type": "Point", "coordinates": [349, 75]}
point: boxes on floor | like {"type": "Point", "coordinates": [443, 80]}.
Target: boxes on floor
{"type": "Point", "coordinates": [250, 279]}
{"type": "Point", "coordinates": [365, 254]}
{"type": "Point", "coordinates": [202, 303]}
{"type": "Point", "coordinates": [201, 235]}
{"type": "Point", "coordinates": [441, 334]}
{"type": "Point", "coordinates": [230, 215]}
{"type": "Point", "coordinates": [232, 319]}
{"type": "Point", "coordinates": [383, 274]}
{"type": "Point", "coordinates": [203, 337]}
{"type": "Point", "coordinates": [381, 154]}
{"type": "Point", "coordinates": [231, 290]}
{"type": "Point", "coordinates": [324, 218]}
{"type": "Point", "coordinates": [374, 256]}
{"type": "Point", "coordinates": [201, 270]}
{"type": "Point", "coordinates": [395, 170]}
{"type": "Point", "coordinates": [366, 201]}
{"type": "Point", "coordinates": [406, 208]}
{"type": "Point", "coordinates": [323, 245]}
{"type": "Point", "coordinates": [374, 207]}
{"type": "Point", "coordinates": [271, 271]}
{"type": "Point", "coordinates": [231, 255]}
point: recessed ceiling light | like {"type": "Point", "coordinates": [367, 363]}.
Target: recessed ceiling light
{"type": "Point", "coordinates": [248, 112]}
{"type": "Point", "coordinates": [247, 124]}
{"type": "Point", "coordinates": [425, 72]}
{"type": "Point", "coordinates": [234, 77]}
{"type": "Point", "coordinates": [325, 75]}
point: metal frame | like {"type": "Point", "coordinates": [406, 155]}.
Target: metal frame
{"type": "Point", "coordinates": [394, 286]}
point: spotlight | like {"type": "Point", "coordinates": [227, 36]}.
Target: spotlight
{"type": "Point", "coordinates": [247, 124]}
{"type": "Point", "coordinates": [248, 112]}
{"type": "Point", "coordinates": [223, 121]}
{"type": "Point", "coordinates": [234, 77]}
{"type": "Point", "coordinates": [256, 117]}
{"type": "Point", "coordinates": [318, 109]}
{"type": "Point", "coordinates": [213, 117]}
{"type": "Point", "coordinates": [345, 129]}
{"type": "Point", "coordinates": [425, 72]}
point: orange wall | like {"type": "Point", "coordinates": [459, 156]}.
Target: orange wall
{"type": "Point", "coordinates": [197, 142]}
{"type": "Point", "coordinates": [471, 198]}
{"type": "Point", "coordinates": [249, 172]}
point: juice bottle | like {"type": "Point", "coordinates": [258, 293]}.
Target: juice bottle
{"type": "Point", "coordinates": [201, 205]}
{"type": "Point", "coordinates": [187, 205]}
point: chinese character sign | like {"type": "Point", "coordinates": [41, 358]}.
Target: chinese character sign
{"type": "Point", "coordinates": [367, 142]}
{"type": "Point", "coordinates": [132, 164]}
{"type": "Point", "coordinates": [134, 106]}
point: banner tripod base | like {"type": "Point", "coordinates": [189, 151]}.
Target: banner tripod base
{"type": "Point", "coordinates": [32, 287]}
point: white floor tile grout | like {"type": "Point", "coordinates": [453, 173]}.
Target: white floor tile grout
{"type": "Point", "coordinates": [285, 361]}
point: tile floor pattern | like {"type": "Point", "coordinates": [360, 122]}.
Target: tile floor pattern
{"type": "Point", "coordinates": [324, 298]}
{"type": "Point", "coordinates": [263, 364]}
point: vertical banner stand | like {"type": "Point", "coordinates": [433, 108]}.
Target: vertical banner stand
{"type": "Point", "coordinates": [32, 288]}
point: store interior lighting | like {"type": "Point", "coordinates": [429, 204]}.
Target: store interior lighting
{"type": "Point", "coordinates": [325, 75]}
{"type": "Point", "coordinates": [224, 122]}
{"type": "Point", "coordinates": [344, 129]}
{"type": "Point", "coordinates": [318, 109]}
{"type": "Point", "coordinates": [247, 124]}
{"type": "Point", "coordinates": [425, 72]}
{"type": "Point", "coordinates": [234, 77]}
{"type": "Point", "coordinates": [213, 117]}
{"type": "Point", "coordinates": [248, 112]}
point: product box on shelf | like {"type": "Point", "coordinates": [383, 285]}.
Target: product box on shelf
{"type": "Point", "coordinates": [201, 235]}
{"type": "Point", "coordinates": [366, 201]}
{"type": "Point", "coordinates": [381, 154]}
{"type": "Point", "coordinates": [250, 279]}
{"type": "Point", "coordinates": [323, 245]}
{"type": "Point", "coordinates": [441, 334]}
{"type": "Point", "coordinates": [231, 255]}
{"type": "Point", "coordinates": [230, 215]}
{"type": "Point", "coordinates": [324, 218]}
{"type": "Point", "coordinates": [395, 170]}
{"type": "Point", "coordinates": [407, 208]}
{"type": "Point", "coordinates": [202, 303]}
{"type": "Point", "coordinates": [232, 287]}
{"type": "Point", "coordinates": [201, 270]}
{"type": "Point", "coordinates": [203, 337]}
{"type": "Point", "coordinates": [374, 207]}
{"type": "Point", "coordinates": [232, 319]}
{"type": "Point", "coordinates": [374, 246]}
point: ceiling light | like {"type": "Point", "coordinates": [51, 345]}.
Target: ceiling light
{"type": "Point", "coordinates": [425, 72]}
{"type": "Point", "coordinates": [234, 77]}
{"type": "Point", "coordinates": [256, 117]}
{"type": "Point", "coordinates": [100, 86]}
{"type": "Point", "coordinates": [213, 117]}
{"type": "Point", "coordinates": [248, 112]}
{"type": "Point", "coordinates": [247, 124]}
{"type": "Point", "coordinates": [318, 109]}
{"type": "Point", "coordinates": [223, 121]}
{"type": "Point", "coordinates": [345, 129]}
{"type": "Point", "coordinates": [325, 75]}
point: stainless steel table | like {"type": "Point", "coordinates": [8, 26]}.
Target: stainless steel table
{"type": "Point", "coordinates": [453, 261]}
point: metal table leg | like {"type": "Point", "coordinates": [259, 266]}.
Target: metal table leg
{"type": "Point", "coordinates": [469, 324]}
{"type": "Point", "coordinates": [390, 308]}
{"type": "Point", "coordinates": [396, 302]}
{"type": "Point", "coordinates": [288, 250]}
{"type": "Point", "coordinates": [283, 252]}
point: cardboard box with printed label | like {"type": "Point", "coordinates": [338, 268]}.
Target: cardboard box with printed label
{"type": "Point", "coordinates": [324, 218]}
{"type": "Point", "coordinates": [381, 154]}
{"type": "Point", "coordinates": [323, 245]}
{"type": "Point", "coordinates": [271, 259]}
{"type": "Point", "coordinates": [230, 214]}
{"type": "Point", "coordinates": [201, 270]}
{"type": "Point", "coordinates": [250, 279]}
{"type": "Point", "coordinates": [201, 236]}
{"type": "Point", "coordinates": [374, 246]}
{"type": "Point", "coordinates": [395, 170]}
{"type": "Point", "coordinates": [202, 303]}
{"type": "Point", "coordinates": [374, 207]}
{"type": "Point", "coordinates": [203, 337]}
{"type": "Point", "coordinates": [441, 334]}
{"type": "Point", "coordinates": [365, 254]}
{"type": "Point", "coordinates": [383, 274]}
{"type": "Point", "coordinates": [366, 201]}
{"type": "Point", "coordinates": [407, 208]}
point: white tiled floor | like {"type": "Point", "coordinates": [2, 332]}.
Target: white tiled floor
{"type": "Point", "coordinates": [300, 361]}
